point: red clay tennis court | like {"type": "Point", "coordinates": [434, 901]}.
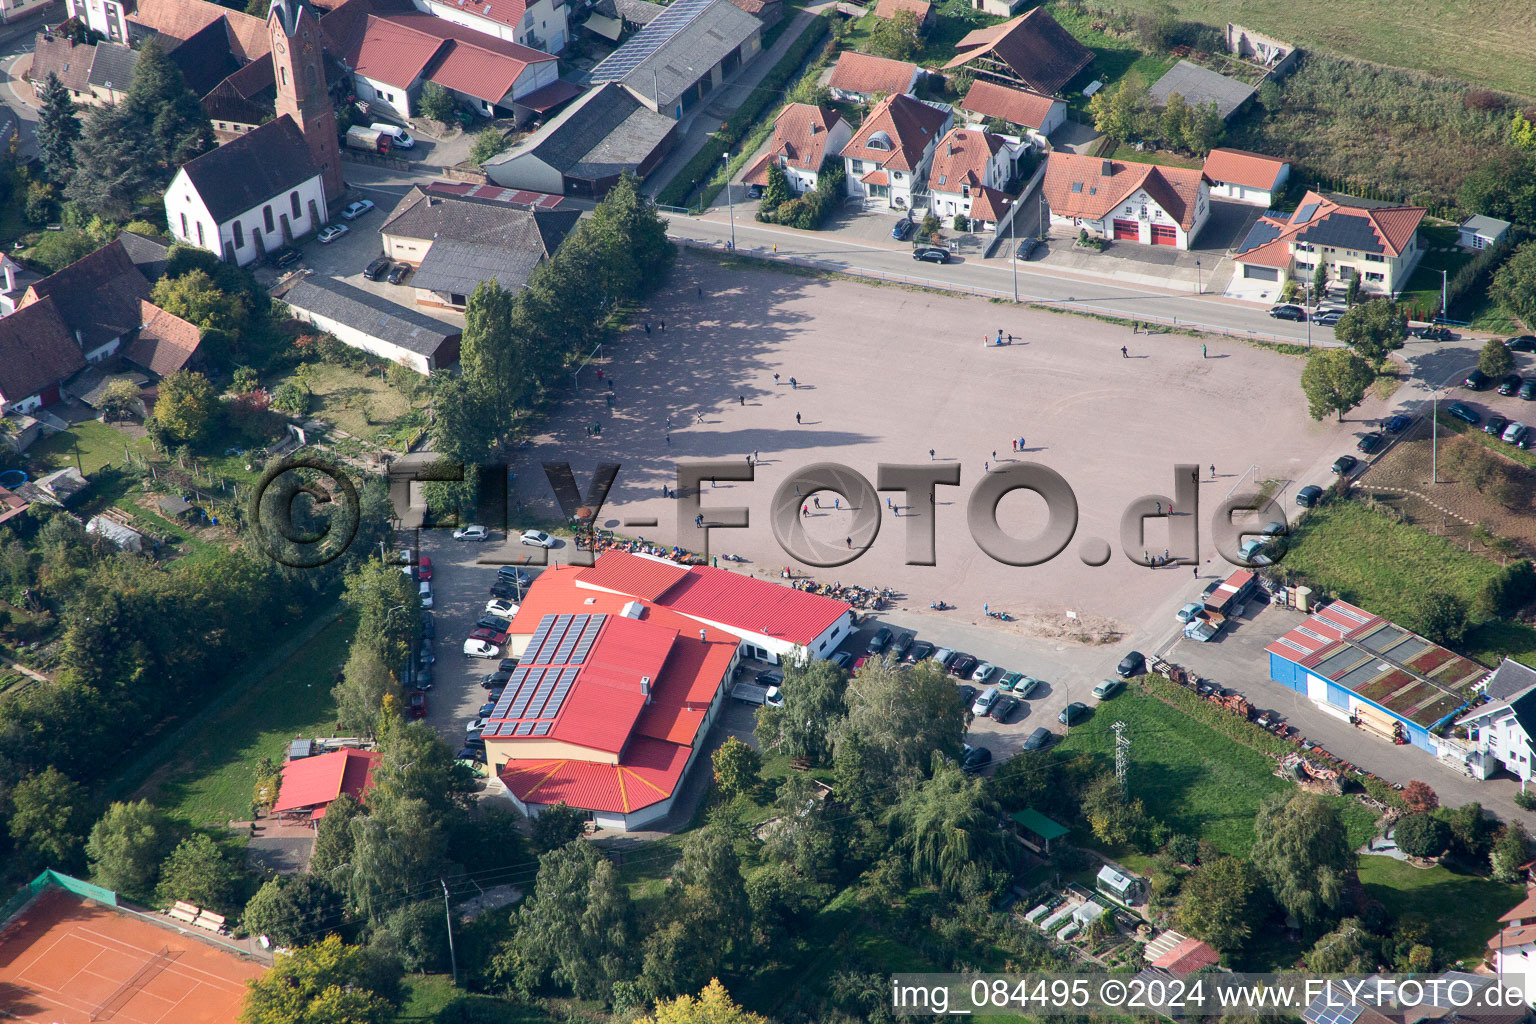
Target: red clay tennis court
{"type": "Point", "coordinates": [69, 960]}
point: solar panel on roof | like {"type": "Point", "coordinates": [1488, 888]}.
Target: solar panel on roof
{"type": "Point", "coordinates": [541, 728]}
{"type": "Point", "coordinates": [524, 728]}
{"type": "Point", "coordinates": [1305, 213]}
{"type": "Point", "coordinates": [648, 40]}
{"type": "Point", "coordinates": [562, 654]}
{"type": "Point", "coordinates": [1330, 1014]}
{"type": "Point", "coordinates": [588, 638]}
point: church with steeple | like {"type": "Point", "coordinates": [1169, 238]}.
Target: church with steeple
{"type": "Point", "coordinates": [269, 186]}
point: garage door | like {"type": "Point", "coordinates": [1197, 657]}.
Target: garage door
{"type": "Point", "coordinates": [1127, 229]}
{"type": "Point", "coordinates": [1163, 234]}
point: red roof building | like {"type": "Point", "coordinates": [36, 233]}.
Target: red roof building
{"type": "Point", "coordinates": [1126, 201]}
{"type": "Point", "coordinates": [1028, 109]}
{"type": "Point", "coordinates": [311, 783]}
{"type": "Point", "coordinates": [1032, 50]}
{"type": "Point", "coordinates": [803, 136]}
{"type": "Point", "coordinates": [861, 77]}
{"type": "Point", "coordinates": [1187, 958]}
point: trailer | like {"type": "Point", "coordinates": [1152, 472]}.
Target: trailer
{"type": "Point", "coordinates": [369, 140]}
{"type": "Point", "coordinates": [1204, 626]}
{"type": "Point", "coordinates": [753, 693]}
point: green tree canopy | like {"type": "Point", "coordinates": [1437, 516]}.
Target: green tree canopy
{"type": "Point", "coordinates": [1511, 851]}
{"type": "Point", "coordinates": [713, 1006]}
{"type": "Point", "coordinates": [366, 681]}
{"type": "Point", "coordinates": [1120, 112]}
{"type": "Point", "coordinates": [111, 171]}
{"type": "Point", "coordinates": [49, 818]}
{"type": "Point", "coordinates": [126, 847]}
{"type": "Point", "coordinates": [813, 710]}
{"type": "Point", "coordinates": [1373, 329]}
{"type": "Point", "coordinates": [333, 836]}
{"type": "Point", "coordinates": [1514, 284]}
{"type": "Point", "coordinates": [322, 983]}
{"type": "Point", "coordinates": [1303, 854]}
{"type": "Point", "coordinates": [707, 920]}
{"type": "Point", "coordinates": [57, 131]}
{"type": "Point", "coordinates": [294, 909]}
{"type": "Point", "coordinates": [436, 102]}
{"type": "Point", "coordinates": [1216, 903]}
{"type": "Point", "coordinates": [198, 872]}
{"type": "Point", "coordinates": [1503, 187]}
{"type": "Point", "coordinates": [897, 38]}
{"type": "Point", "coordinates": [736, 767]}
{"type": "Point", "coordinates": [557, 825]}
{"type": "Point", "coordinates": [777, 191]}
{"type": "Point", "coordinates": [905, 713]}
{"type": "Point", "coordinates": [188, 406]}
{"type": "Point", "coordinates": [176, 127]}
{"type": "Point", "coordinates": [1422, 835]}
{"type": "Point", "coordinates": [1335, 380]}
{"type": "Point", "coordinates": [388, 609]}
{"type": "Point", "coordinates": [946, 826]}
{"type": "Point", "coordinates": [1495, 358]}
{"type": "Point", "coordinates": [398, 846]}
{"type": "Point", "coordinates": [1348, 949]}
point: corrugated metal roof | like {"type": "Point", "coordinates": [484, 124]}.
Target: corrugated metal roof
{"type": "Point", "coordinates": [321, 779]}
{"type": "Point", "coordinates": [746, 605]}
{"type": "Point", "coordinates": [642, 576]}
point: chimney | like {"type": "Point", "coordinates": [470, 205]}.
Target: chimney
{"type": "Point", "coordinates": [1107, 168]}
{"type": "Point", "coordinates": [949, 148]}
{"type": "Point", "coordinates": [645, 688]}
{"type": "Point", "coordinates": [702, 636]}
{"type": "Point", "coordinates": [10, 277]}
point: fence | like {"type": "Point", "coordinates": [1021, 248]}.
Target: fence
{"type": "Point", "coordinates": [1065, 305]}
{"type": "Point", "coordinates": [11, 907]}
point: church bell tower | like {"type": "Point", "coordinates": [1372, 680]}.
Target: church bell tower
{"type": "Point", "coordinates": [301, 94]}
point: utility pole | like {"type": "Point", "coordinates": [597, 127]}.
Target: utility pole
{"type": "Point", "coordinates": [453, 960]}
{"type": "Point", "coordinates": [726, 157]}
{"type": "Point", "coordinates": [1444, 295]}
{"type": "Point", "coordinates": [1434, 445]}
{"type": "Point", "coordinates": [1199, 285]}
{"type": "Point", "coordinates": [1307, 311]}
{"type": "Point", "coordinates": [1122, 754]}
{"type": "Point", "coordinates": [1012, 236]}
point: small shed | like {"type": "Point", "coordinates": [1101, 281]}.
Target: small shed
{"type": "Point", "coordinates": [125, 537]}
{"type": "Point", "coordinates": [1116, 885]}
{"type": "Point", "coordinates": [174, 506]}
{"type": "Point", "coordinates": [300, 748]}
{"type": "Point", "coordinates": [1479, 232]}
{"type": "Point", "coordinates": [63, 484]}
{"type": "Point", "coordinates": [1036, 830]}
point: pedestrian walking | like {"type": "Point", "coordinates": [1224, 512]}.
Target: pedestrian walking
{"type": "Point", "coordinates": [610, 383]}
{"type": "Point", "coordinates": [1170, 508]}
{"type": "Point", "coordinates": [599, 373]}
{"type": "Point", "coordinates": [647, 328]}
{"type": "Point", "coordinates": [701, 291]}
{"type": "Point", "coordinates": [1159, 508]}
{"type": "Point", "coordinates": [741, 400]}
{"type": "Point", "coordinates": [749, 460]}
{"type": "Point", "coordinates": [1021, 444]}
{"type": "Point", "coordinates": [698, 520]}
{"type": "Point", "coordinates": [986, 609]}
{"type": "Point", "coordinates": [1123, 353]}
{"type": "Point", "coordinates": [663, 327]}
{"type": "Point", "coordinates": [1196, 571]}
{"type": "Point", "coordinates": [887, 502]}
{"type": "Point", "coordinates": [837, 504]}
{"type": "Point", "coordinates": [797, 417]}
{"type": "Point", "coordinates": [797, 490]}
{"type": "Point", "coordinates": [816, 501]}
{"type": "Point", "coordinates": [1202, 351]}
{"type": "Point", "coordinates": [849, 542]}
{"type": "Point", "coordinates": [930, 454]}
{"type": "Point", "coordinates": [756, 457]}
{"type": "Point", "coordinates": [669, 440]}
{"type": "Point", "coordinates": [1165, 554]}
{"type": "Point", "coordinates": [794, 384]}
{"type": "Point", "coordinates": [700, 417]}
{"type": "Point", "coordinates": [994, 455]}
{"type": "Point", "coordinates": [775, 379]}
{"type": "Point", "coordinates": [610, 401]}
{"type": "Point", "coordinates": [711, 481]}
{"type": "Point", "coordinates": [804, 511]}
{"type": "Point", "coordinates": [1015, 443]}
{"type": "Point", "coordinates": [1146, 557]}
{"type": "Point", "coordinates": [1213, 471]}
{"type": "Point", "coordinates": [986, 467]}
{"type": "Point", "coordinates": [1134, 325]}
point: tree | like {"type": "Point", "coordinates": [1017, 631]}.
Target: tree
{"type": "Point", "coordinates": [489, 141]}
{"type": "Point", "coordinates": [1175, 119]}
{"type": "Point", "coordinates": [1114, 817]}
{"type": "Point", "coordinates": [436, 102]}
{"type": "Point", "coordinates": [1156, 27]}
{"type": "Point", "coordinates": [777, 191]}
{"type": "Point", "coordinates": [121, 399]}
{"type": "Point", "coordinates": [946, 827]}
{"type": "Point", "coordinates": [1352, 291]}
{"type": "Point", "coordinates": [198, 872]}
{"type": "Point", "coordinates": [1302, 853]}
{"type": "Point", "coordinates": [905, 713]}
{"type": "Point", "coordinates": [1422, 835]}
{"type": "Point", "coordinates": [175, 126]}
{"type": "Point", "coordinates": [195, 298]}
{"type": "Point", "coordinates": [1441, 616]}
{"type": "Point", "coordinates": [736, 768]}
{"type": "Point", "coordinates": [575, 930]}
{"type": "Point", "coordinates": [1204, 129]}
{"type": "Point", "coordinates": [57, 130]}
{"type": "Point", "coordinates": [1471, 831]}
{"type": "Point", "coordinates": [1522, 132]}
{"type": "Point", "coordinates": [713, 1006]}
{"type": "Point", "coordinates": [388, 608]}
{"type": "Point", "coordinates": [187, 406]}
{"type": "Point", "coordinates": [294, 909]}
{"type": "Point", "coordinates": [1503, 187]}
{"type": "Point", "coordinates": [42, 203]}
{"type": "Point", "coordinates": [806, 837]}
{"type": "Point", "coordinates": [1216, 903]}
{"type": "Point", "coordinates": [708, 917]}
{"type": "Point", "coordinates": [1514, 284]}
{"type": "Point", "coordinates": [126, 847]}
{"type": "Point", "coordinates": [333, 836]}
{"type": "Point", "coordinates": [1419, 797]}
{"type": "Point", "coordinates": [494, 357]}
{"type": "Point", "coordinates": [557, 825]}
{"type": "Point", "coordinates": [1372, 329]}
{"type": "Point", "coordinates": [930, 227]}
{"type": "Point", "coordinates": [245, 379]}
{"type": "Point", "coordinates": [1495, 359]}
{"type": "Point", "coordinates": [1335, 380]}
{"type": "Point", "coordinates": [49, 818]}
{"type": "Point", "coordinates": [1120, 112]}
{"type": "Point", "coordinates": [1348, 949]}
{"type": "Point", "coordinates": [365, 684]}
{"type": "Point", "coordinates": [398, 846]}
{"type": "Point", "coordinates": [813, 709]}
{"type": "Point", "coordinates": [322, 983]}
{"type": "Point", "coordinates": [633, 237]}
{"type": "Point", "coordinates": [1511, 851]}
{"type": "Point", "coordinates": [1320, 280]}
{"type": "Point", "coordinates": [898, 38]}
{"type": "Point", "coordinates": [111, 171]}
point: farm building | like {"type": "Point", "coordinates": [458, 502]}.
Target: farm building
{"type": "Point", "coordinates": [1378, 676]}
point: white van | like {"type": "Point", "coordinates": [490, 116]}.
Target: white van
{"type": "Point", "coordinates": [426, 594]}
{"type": "Point", "coordinates": [1514, 433]}
{"type": "Point", "coordinates": [983, 706]}
{"type": "Point", "coordinates": [400, 140]}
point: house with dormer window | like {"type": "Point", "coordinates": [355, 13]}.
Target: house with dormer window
{"type": "Point", "coordinates": [804, 135]}
{"type": "Point", "coordinates": [1127, 202]}
{"type": "Point", "coordinates": [968, 164]}
{"type": "Point", "coordinates": [888, 158]}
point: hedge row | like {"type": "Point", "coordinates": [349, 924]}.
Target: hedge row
{"type": "Point", "coordinates": [758, 102]}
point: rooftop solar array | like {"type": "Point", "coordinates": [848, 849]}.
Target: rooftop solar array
{"type": "Point", "coordinates": [648, 40]}
{"type": "Point", "coordinates": [538, 686]}
{"type": "Point", "coordinates": [1325, 1011]}
{"type": "Point", "coordinates": [1305, 213]}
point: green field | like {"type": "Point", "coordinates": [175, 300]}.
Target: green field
{"type": "Point", "coordinates": [1378, 563]}
{"type": "Point", "coordinates": [427, 995]}
{"type": "Point", "coordinates": [1114, 58]}
{"type": "Point", "coordinates": [1422, 293]}
{"type": "Point", "coordinates": [1479, 41]}
{"type": "Point", "coordinates": [1195, 779]}
{"type": "Point", "coordinates": [99, 445]}
{"type": "Point", "coordinates": [1462, 910]}
{"type": "Point", "coordinates": [208, 780]}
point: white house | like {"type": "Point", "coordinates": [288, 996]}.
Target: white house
{"type": "Point", "coordinates": [1501, 730]}
{"type": "Point", "coordinates": [1246, 177]}
{"type": "Point", "coordinates": [1038, 114]}
{"type": "Point", "coordinates": [1126, 201]}
{"type": "Point", "coordinates": [371, 324]}
{"type": "Point", "coordinates": [889, 156]}
{"type": "Point", "coordinates": [860, 77]}
{"type": "Point", "coordinates": [1479, 232]}
{"type": "Point", "coordinates": [540, 24]}
{"type": "Point", "coordinates": [109, 17]}
{"type": "Point", "coordinates": [967, 161]}
{"type": "Point", "coordinates": [804, 136]}
{"type": "Point", "coordinates": [1512, 951]}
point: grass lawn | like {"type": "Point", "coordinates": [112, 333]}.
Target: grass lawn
{"type": "Point", "coordinates": [1373, 561]}
{"type": "Point", "coordinates": [99, 445]}
{"type": "Point", "coordinates": [1127, 152]}
{"type": "Point", "coordinates": [1483, 314]}
{"type": "Point", "coordinates": [1422, 293]}
{"type": "Point", "coordinates": [1113, 58]}
{"type": "Point", "coordinates": [209, 781]}
{"type": "Point", "coordinates": [1496, 640]}
{"type": "Point", "coordinates": [1467, 39]}
{"type": "Point", "coordinates": [1462, 910]}
{"type": "Point", "coordinates": [427, 995]}
{"type": "Point", "coordinates": [359, 403]}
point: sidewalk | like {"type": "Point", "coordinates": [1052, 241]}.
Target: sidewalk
{"type": "Point", "coordinates": [698, 126]}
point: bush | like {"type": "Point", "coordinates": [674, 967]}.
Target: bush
{"type": "Point", "coordinates": [291, 398]}
{"type": "Point", "coordinates": [807, 212]}
{"type": "Point", "coordinates": [1512, 589]}
{"type": "Point", "coordinates": [41, 203]}
{"type": "Point", "coordinates": [962, 222]}
{"type": "Point", "coordinates": [1525, 799]}
{"type": "Point", "coordinates": [1422, 835]}
{"type": "Point", "coordinates": [489, 142]}
{"type": "Point", "coordinates": [436, 102]}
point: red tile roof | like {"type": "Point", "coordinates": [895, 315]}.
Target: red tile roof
{"type": "Point", "coordinates": [922, 9]}
{"type": "Point", "coordinates": [507, 12]}
{"type": "Point", "coordinates": [1016, 106]}
{"type": "Point", "coordinates": [1525, 908]}
{"type": "Point", "coordinates": [183, 19]}
{"type": "Point", "coordinates": [1392, 227]}
{"type": "Point", "coordinates": [909, 126]}
{"type": "Point", "coordinates": [399, 47]}
{"type": "Point", "coordinates": [1240, 167]}
{"type": "Point", "coordinates": [639, 576]}
{"type": "Point", "coordinates": [1324, 628]}
{"type": "Point", "coordinates": [1076, 186]}
{"type": "Point", "coordinates": [99, 295]}
{"type": "Point", "coordinates": [1043, 55]}
{"type": "Point", "coordinates": [37, 351]}
{"type": "Point", "coordinates": [1513, 937]}
{"type": "Point", "coordinates": [1187, 957]}
{"type": "Point", "coordinates": [876, 178]}
{"type": "Point", "coordinates": [868, 75]}
{"type": "Point", "coordinates": [962, 158]}
{"type": "Point", "coordinates": [648, 775]}
{"type": "Point", "coordinates": [313, 782]}
{"type": "Point", "coordinates": [164, 343]}
{"type": "Point", "coordinates": [989, 204]}
{"type": "Point", "coordinates": [750, 605]}
{"type": "Point", "coordinates": [800, 134]}
{"type": "Point", "coordinates": [11, 505]}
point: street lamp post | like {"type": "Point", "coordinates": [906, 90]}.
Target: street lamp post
{"type": "Point", "coordinates": [1306, 295]}
{"type": "Point", "coordinates": [1199, 284]}
{"type": "Point", "coordinates": [726, 157]}
{"type": "Point", "coordinates": [1434, 444]}
{"type": "Point", "coordinates": [1012, 237]}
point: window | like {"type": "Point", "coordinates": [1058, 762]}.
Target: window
{"type": "Point", "coordinates": [239, 236]}
{"type": "Point", "coordinates": [455, 298]}
{"type": "Point", "coordinates": [184, 233]}
{"type": "Point", "coordinates": [1371, 257]}
{"type": "Point", "coordinates": [1478, 242]}
{"type": "Point", "coordinates": [1303, 266]}
{"type": "Point", "coordinates": [293, 201]}
{"type": "Point", "coordinates": [266, 216]}
{"type": "Point", "coordinates": [1373, 277]}
{"type": "Point", "coordinates": [857, 165]}
{"type": "Point", "coordinates": [1303, 246]}
{"type": "Point", "coordinates": [284, 72]}
{"type": "Point", "coordinates": [200, 234]}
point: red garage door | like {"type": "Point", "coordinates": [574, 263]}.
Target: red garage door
{"type": "Point", "coordinates": [1163, 234]}
{"type": "Point", "coordinates": [1127, 229]}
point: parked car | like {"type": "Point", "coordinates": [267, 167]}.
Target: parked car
{"type": "Point", "coordinates": [425, 590]}
{"type": "Point", "coordinates": [987, 674]}
{"type": "Point", "coordinates": [354, 210]}
{"type": "Point", "coordinates": [495, 680]}
{"type": "Point", "coordinates": [975, 759]}
{"type": "Point", "coordinates": [1369, 443]}
{"type": "Point", "coordinates": [1397, 424]}
{"type": "Point", "coordinates": [1039, 739]}
{"type": "Point", "coordinates": [983, 705]}
{"type": "Point", "coordinates": [1328, 318]}
{"type": "Point", "coordinates": [842, 659]}
{"type": "Point", "coordinates": [1528, 390]}
{"type": "Point", "coordinates": [1288, 312]}
{"type": "Point", "coordinates": [1252, 551]}
{"type": "Point", "coordinates": [1026, 248]}
{"type": "Point", "coordinates": [1434, 333]}
{"type": "Point", "coordinates": [1475, 381]}
{"type": "Point", "coordinates": [424, 654]}
{"type": "Point", "coordinates": [507, 665]}
{"type": "Point", "coordinates": [424, 568]}
{"type": "Point", "coordinates": [1465, 412]}
{"type": "Point", "coordinates": [1276, 528]}
{"type": "Point", "coordinates": [1515, 433]}
{"type": "Point", "coordinates": [931, 254]}
{"type": "Point", "coordinates": [943, 656]}
{"type": "Point", "coordinates": [505, 589]}
{"type": "Point", "coordinates": [494, 622]}
{"type": "Point", "coordinates": [475, 755]}
{"type": "Point", "coordinates": [536, 539]}
{"type": "Point", "coordinates": [490, 636]}
{"type": "Point", "coordinates": [331, 232]}
{"type": "Point", "coordinates": [1189, 611]}
{"type": "Point", "coordinates": [428, 625]}
{"type": "Point", "coordinates": [423, 679]}
{"type": "Point", "coordinates": [500, 606]}
{"type": "Point", "coordinates": [921, 650]}
{"type": "Point", "coordinates": [470, 533]}
{"type": "Point", "coordinates": [486, 710]}
{"type": "Point", "coordinates": [285, 257]}
{"type": "Point", "coordinates": [1495, 425]}
{"type": "Point", "coordinates": [967, 695]}
{"type": "Point", "coordinates": [1003, 708]}
{"type": "Point", "coordinates": [1026, 686]}
{"type": "Point", "coordinates": [1510, 384]}
{"type": "Point", "coordinates": [399, 273]}
{"type": "Point", "coordinates": [902, 229]}
{"type": "Point", "coordinates": [1133, 664]}
{"type": "Point", "coordinates": [1343, 464]}
{"type": "Point", "coordinates": [901, 645]}
{"type": "Point", "coordinates": [377, 269]}
{"type": "Point", "coordinates": [1524, 343]}
{"type": "Point", "coordinates": [1306, 498]}
{"type": "Point", "coordinates": [878, 642]}
{"type": "Point", "coordinates": [963, 665]}
{"type": "Point", "coordinates": [481, 649]}
{"type": "Point", "coordinates": [1073, 713]}
{"type": "Point", "coordinates": [858, 662]}
{"type": "Point", "coordinates": [417, 702]}
{"type": "Point", "coordinates": [1108, 688]}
